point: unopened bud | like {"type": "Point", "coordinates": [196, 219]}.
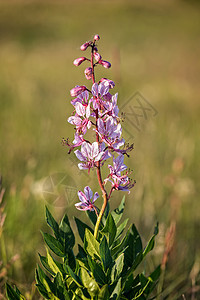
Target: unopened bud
{"type": "Point", "coordinates": [95, 49]}
{"type": "Point", "coordinates": [97, 56]}
{"type": "Point", "coordinates": [88, 73]}
{"type": "Point", "coordinates": [108, 82]}
{"type": "Point", "coordinates": [96, 37]}
{"type": "Point", "coordinates": [84, 46]}
{"type": "Point", "coordinates": [105, 64]}
{"type": "Point", "coordinates": [77, 90]}
{"type": "Point", "coordinates": [79, 61]}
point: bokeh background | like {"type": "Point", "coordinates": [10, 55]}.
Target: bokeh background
{"type": "Point", "coordinates": [154, 49]}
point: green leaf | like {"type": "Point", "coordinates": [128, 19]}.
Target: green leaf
{"type": "Point", "coordinates": [117, 291]}
{"type": "Point", "coordinates": [110, 229]}
{"type": "Point", "coordinates": [89, 283]}
{"type": "Point", "coordinates": [92, 216]}
{"type": "Point", "coordinates": [121, 228]}
{"type": "Point", "coordinates": [81, 228]}
{"type": "Point", "coordinates": [52, 223]}
{"type": "Point", "coordinates": [53, 244]}
{"type": "Point", "coordinates": [67, 234]}
{"type": "Point", "coordinates": [45, 281]}
{"type": "Point", "coordinates": [118, 212]}
{"type": "Point", "coordinates": [150, 244]}
{"type": "Point", "coordinates": [13, 294]}
{"type": "Point", "coordinates": [117, 268]}
{"type": "Point", "coordinates": [104, 293]}
{"type": "Point", "coordinates": [105, 254]}
{"type": "Point", "coordinates": [74, 276]}
{"type": "Point", "coordinates": [51, 263]}
{"type": "Point", "coordinates": [91, 245]}
{"type": "Point", "coordinates": [97, 271]}
{"type": "Point", "coordinates": [44, 263]}
{"type": "Point", "coordinates": [41, 287]}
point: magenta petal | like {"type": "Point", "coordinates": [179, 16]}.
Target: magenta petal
{"type": "Point", "coordinates": [95, 89]}
{"type": "Point", "coordinates": [96, 195]}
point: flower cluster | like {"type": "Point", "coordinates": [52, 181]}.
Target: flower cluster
{"type": "Point", "coordinates": [96, 109]}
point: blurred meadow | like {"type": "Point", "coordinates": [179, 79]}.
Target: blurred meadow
{"type": "Point", "coordinates": [154, 49]}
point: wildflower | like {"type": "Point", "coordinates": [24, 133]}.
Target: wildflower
{"type": "Point", "coordinates": [96, 37]}
{"type": "Point", "coordinates": [81, 112]}
{"type": "Point", "coordinates": [88, 73]}
{"type": "Point", "coordinates": [77, 90]}
{"type": "Point", "coordinates": [87, 199]}
{"type": "Point", "coordinates": [105, 64]}
{"type": "Point", "coordinates": [85, 46]}
{"type": "Point", "coordinates": [90, 154]}
{"type": "Point", "coordinates": [77, 62]}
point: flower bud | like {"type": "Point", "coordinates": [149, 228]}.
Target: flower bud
{"type": "Point", "coordinates": [77, 90]}
{"type": "Point", "coordinates": [97, 56]}
{"type": "Point", "coordinates": [84, 46]}
{"type": "Point", "coordinates": [79, 61]}
{"type": "Point", "coordinates": [88, 73]}
{"type": "Point", "coordinates": [108, 82]}
{"type": "Point", "coordinates": [96, 37]}
{"type": "Point", "coordinates": [105, 64]}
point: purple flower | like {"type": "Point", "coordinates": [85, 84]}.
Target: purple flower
{"type": "Point", "coordinates": [87, 199]}
{"type": "Point", "coordinates": [81, 124]}
{"type": "Point", "coordinates": [105, 64]}
{"type": "Point", "coordinates": [118, 166]}
{"type": "Point", "coordinates": [78, 61]}
{"type": "Point", "coordinates": [81, 98]}
{"type": "Point", "coordinates": [100, 92]}
{"type": "Point", "coordinates": [90, 154]}
{"type": "Point", "coordinates": [110, 133]}
{"type": "Point", "coordinates": [77, 90]}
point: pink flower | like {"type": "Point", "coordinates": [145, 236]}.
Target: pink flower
{"type": "Point", "coordinates": [105, 64]}
{"type": "Point", "coordinates": [96, 37]}
{"type": "Point", "coordinates": [88, 73]}
{"type": "Point", "coordinates": [90, 154]}
{"type": "Point", "coordinates": [87, 199]}
{"type": "Point", "coordinates": [79, 61]}
{"type": "Point", "coordinates": [97, 56]}
{"type": "Point", "coordinates": [81, 98]}
{"type": "Point", "coordinates": [81, 119]}
{"type": "Point", "coordinates": [85, 46]}
{"type": "Point", "coordinates": [108, 82]}
{"type": "Point", "coordinates": [77, 90]}
{"type": "Point", "coordinates": [100, 91]}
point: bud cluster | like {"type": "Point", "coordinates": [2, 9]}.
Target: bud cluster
{"type": "Point", "coordinates": [96, 109]}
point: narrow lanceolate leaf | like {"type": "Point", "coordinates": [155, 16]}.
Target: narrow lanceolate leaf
{"type": "Point", "coordinates": [91, 245]}
{"type": "Point", "coordinates": [150, 244]}
{"type": "Point", "coordinates": [41, 286]}
{"type": "Point", "coordinates": [81, 228]}
{"type": "Point", "coordinates": [117, 291]}
{"type": "Point", "coordinates": [66, 234]}
{"type": "Point", "coordinates": [51, 263]}
{"type": "Point", "coordinates": [97, 271]}
{"type": "Point", "coordinates": [117, 268]}
{"type": "Point", "coordinates": [13, 294]}
{"type": "Point", "coordinates": [118, 212]}
{"type": "Point", "coordinates": [105, 254]}
{"type": "Point", "coordinates": [44, 262]}
{"type": "Point", "coordinates": [104, 293]}
{"type": "Point", "coordinates": [121, 228]}
{"type": "Point", "coordinates": [53, 244]}
{"type": "Point", "coordinates": [74, 276]}
{"type": "Point", "coordinates": [110, 229]}
{"type": "Point", "coordinates": [52, 223]}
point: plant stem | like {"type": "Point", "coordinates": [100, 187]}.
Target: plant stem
{"type": "Point", "coordinates": [105, 197]}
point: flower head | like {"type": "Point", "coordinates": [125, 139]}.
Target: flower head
{"type": "Point", "coordinates": [87, 199]}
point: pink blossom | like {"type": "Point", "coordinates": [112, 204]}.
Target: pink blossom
{"type": "Point", "coordinates": [81, 98]}
{"type": "Point", "coordinates": [90, 154]}
{"type": "Point", "coordinates": [97, 56]}
{"type": "Point", "coordinates": [88, 73]}
{"type": "Point", "coordinates": [78, 61]}
{"type": "Point", "coordinates": [96, 37]}
{"type": "Point", "coordinates": [77, 90]}
{"type": "Point", "coordinates": [85, 46]}
{"type": "Point", "coordinates": [86, 199]}
{"type": "Point", "coordinates": [81, 118]}
{"type": "Point", "coordinates": [105, 64]}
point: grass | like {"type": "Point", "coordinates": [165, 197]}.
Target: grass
{"type": "Point", "coordinates": [153, 48]}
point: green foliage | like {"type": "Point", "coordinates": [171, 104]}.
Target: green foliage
{"type": "Point", "coordinates": [103, 268]}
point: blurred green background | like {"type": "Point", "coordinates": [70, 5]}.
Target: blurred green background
{"type": "Point", "coordinates": [154, 48]}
